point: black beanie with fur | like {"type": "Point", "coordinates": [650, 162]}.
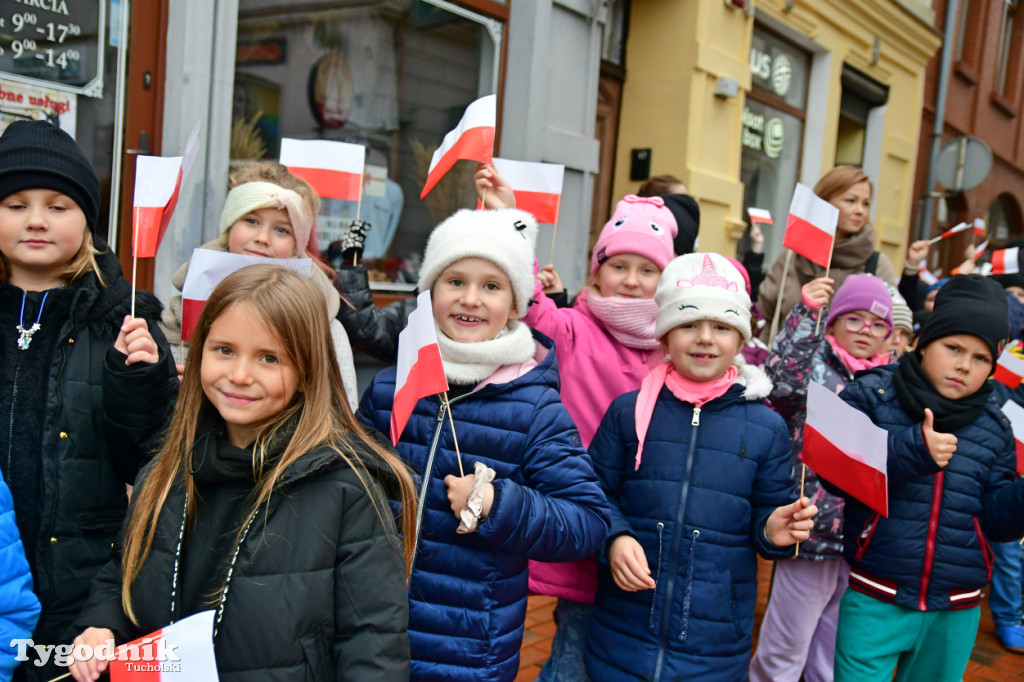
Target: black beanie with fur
{"type": "Point", "coordinates": [969, 304]}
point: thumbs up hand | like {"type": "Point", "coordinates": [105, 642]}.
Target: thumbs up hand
{"type": "Point", "coordinates": [941, 446]}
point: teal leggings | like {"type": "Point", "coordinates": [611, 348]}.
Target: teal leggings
{"type": "Point", "coordinates": [875, 638]}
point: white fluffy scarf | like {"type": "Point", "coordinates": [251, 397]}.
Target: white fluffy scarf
{"type": "Point", "coordinates": [471, 363]}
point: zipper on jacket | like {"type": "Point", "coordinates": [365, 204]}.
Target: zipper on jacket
{"type": "Point", "coordinates": [674, 549]}
{"type": "Point", "coordinates": [54, 451]}
{"type": "Point", "coordinates": [426, 481]}
{"type": "Point", "coordinates": [657, 576]}
{"type": "Point", "coordinates": [929, 547]}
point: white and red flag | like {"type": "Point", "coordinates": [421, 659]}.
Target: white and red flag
{"type": "Point", "coordinates": [419, 370]}
{"type": "Point", "coordinates": [956, 229]}
{"type": "Point", "coordinates": [207, 268]}
{"type": "Point", "coordinates": [926, 276]}
{"type": "Point", "coordinates": [158, 182]}
{"type": "Point", "coordinates": [1015, 413]}
{"type": "Point", "coordinates": [334, 169]}
{"type": "Point", "coordinates": [979, 227]}
{"type": "Point", "coordinates": [536, 186]}
{"type": "Point", "coordinates": [472, 139]}
{"type": "Point", "coordinates": [843, 446]}
{"type": "Point", "coordinates": [760, 215]}
{"type": "Point", "coordinates": [1010, 365]}
{"type": "Point", "coordinates": [981, 249]}
{"type": "Point", "coordinates": [811, 228]}
{"type": "Point", "coordinates": [1006, 261]}
{"type": "Point", "coordinates": [182, 651]}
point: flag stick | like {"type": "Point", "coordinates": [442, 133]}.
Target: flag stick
{"type": "Point", "coordinates": [778, 302]}
{"type": "Point", "coordinates": [827, 268]}
{"type": "Point", "coordinates": [65, 675]}
{"type": "Point", "coordinates": [359, 210]}
{"type": "Point", "coordinates": [803, 477]}
{"type": "Point", "coordinates": [135, 259]}
{"type": "Point", "coordinates": [934, 239]}
{"type": "Point", "coordinates": [554, 236]}
{"type": "Point", "coordinates": [458, 455]}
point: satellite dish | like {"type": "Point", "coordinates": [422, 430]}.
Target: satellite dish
{"type": "Point", "coordinates": [963, 163]}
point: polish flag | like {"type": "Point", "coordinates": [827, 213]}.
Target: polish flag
{"type": "Point", "coordinates": [981, 249]}
{"type": "Point", "coordinates": [420, 371]}
{"type": "Point", "coordinates": [1010, 365]}
{"type": "Point", "coordinates": [158, 182]}
{"type": "Point", "coordinates": [1006, 261]}
{"type": "Point", "coordinates": [926, 276]}
{"type": "Point", "coordinates": [181, 651]}
{"type": "Point", "coordinates": [844, 447]}
{"type": "Point", "coordinates": [472, 139]}
{"type": "Point", "coordinates": [1015, 413]}
{"type": "Point", "coordinates": [333, 169]}
{"type": "Point", "coordinates": [536, 186]}
{"type": "Point", "coordinates": [956, 229]}
{"type": "Point", "coordinates": [979, 227]}
{"type": "Point", "coordinates": [811, 228]}
{"type": "Point", "coordinates": [760, 215]}
{"type": "Point", "coordinates": [207, 268]}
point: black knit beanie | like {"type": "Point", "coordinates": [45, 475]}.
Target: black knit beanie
{"type": "Point", "coordinates": [687, 214]}
{"type": "Point", "coordinates": [969, 304]}
{"type": "Point", "coordinates": [39, 155]}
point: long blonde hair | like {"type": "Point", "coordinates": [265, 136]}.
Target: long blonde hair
{"type": "Point", "coordinates": [293, 309]}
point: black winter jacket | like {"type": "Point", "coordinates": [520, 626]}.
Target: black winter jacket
{"type": "Point", "coordinates": [316, 592]}
{"type": "Point", "coordinates": [371, 330]}
{"type": "Point", "coordinates": [102, 419]}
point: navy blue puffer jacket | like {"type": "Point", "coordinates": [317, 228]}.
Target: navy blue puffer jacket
{"type": "Point", "coordinates": [467, 598]}
{"type": "Point", "coordinates": [931, 553]}
{"type": "Point", "coordinates": [707, 482]}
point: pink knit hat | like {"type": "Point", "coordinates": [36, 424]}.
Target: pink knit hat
{"type": "Point", "coordinates": [641, 226]}
{"type": "Point", "coordinates": [862, 292]}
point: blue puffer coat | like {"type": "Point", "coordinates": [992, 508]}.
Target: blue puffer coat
{"type": "Point", "coordinates": [931, 553]}
{"type": "Point", "coordinates": [19, 607]}
{"type": "Point", "coordinates": [707, 482]}
{"type": "Point", "coordinates": [467, 598]}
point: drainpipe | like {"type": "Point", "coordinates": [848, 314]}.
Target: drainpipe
{"type": "Point", "coordinates": [948, 38]}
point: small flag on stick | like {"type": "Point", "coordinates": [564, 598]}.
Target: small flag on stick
{"type": "Point", "coordinates": [182, 651]}
{"type": "Point", "coordinates": [158, 182]}
{"type": "Point", "coordinates": [760, 215]}
{"type": "Point", "coordinates": [926, 276]}
{"type": "Point", "coordinates": [1010, 365]}
{"type": "Point", "coordinates": [1015, 413]}
{"type": "Point", "coordinates": [844, 447]}
{"type": "Point", "coordinates": [419, 370]}
{"type": "Point", "coordinates": [981, 249]}
{"type": "Point", "coordinates": [950, 232]}
{"type": "Point", "coordinates": [206, 270]}
{"type": "Point", "coordinates": [537, 187]}
{"type": "Point", "coordinates": [979, 227]}
{"type": "Point", "coordinates": [1006, 261]}
{"type": "Point", "coordinates": [811, 228]}
{"type": "Point", "coordinates": [472, 139]}
{"type": "Point", "coordinates": [333, 169]}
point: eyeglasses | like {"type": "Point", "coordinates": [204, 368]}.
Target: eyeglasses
{"type": "Point", "coordinates": [854, 323]}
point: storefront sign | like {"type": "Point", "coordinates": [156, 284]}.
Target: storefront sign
{"type": "Point", "coordinates": [23, 102]}
{"type": "Point", "coordinates": [55, 43]}
{"type": "Point", "coordinates": [764, 133]}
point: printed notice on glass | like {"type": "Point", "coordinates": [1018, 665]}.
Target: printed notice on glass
{"type": "Point", "coordinates": [55, 43]}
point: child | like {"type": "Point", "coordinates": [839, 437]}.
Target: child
{"type": "Point", "coordinates": [266, 504]}
{"type": "Point", "coordinates": [468, 591]}
{"type": "Point", "coordinates": [19, 607]}
{"type": "Point", "coordinates": [269, 212]}
{"type": "Point", "coordinates": [798, 635]}
{"type": "Point", "coordinates": [73, 365]}
{"type": "Point", "coordinates": [916, 576]}
{"type": "Point", "coordinates": [697, 472]}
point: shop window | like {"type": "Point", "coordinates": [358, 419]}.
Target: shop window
{"type": "Point", "coordinates": [861, 94]}
{"type": "Point", "coordinates": [773, 130]}
{"type": "Point", "coordinates": [1009, 53]}
{"type": "Point", "coordinates": [1004, 218]}
{"type": "Point", "coordinates": [392, 76]}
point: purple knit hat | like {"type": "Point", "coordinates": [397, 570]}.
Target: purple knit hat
{"type": "Point", "coordinates": [640, 225]}
{"type": "Point", "coordinates": [862, 292]}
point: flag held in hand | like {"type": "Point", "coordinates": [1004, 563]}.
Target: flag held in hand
{"type": "Point", "coordinates": [1015, 413]}
{"type": "Point", "coordinates": [537, 187]}
{"type": "Point", "coordinates": [845, 448]}
{"type": "Point", "coordinates": [333, 169]}
{"type": "Point", "coordinates": [207, 268]}
{"type": "Point", "coordinates": [811, 228]}
{"type": "Point", "coordinates": [472, 139]}
{"type": "Point", "coordinates": [420, 371]}
{"type": "Point", "coordinates": [1010, 366]}
{"type": "Point", "coordinates": [760, 215]}
{"type": "Point", "coordinates": [1006, 261]}
{"type": "Point", "coordinates": [182, 651]}
{"type": "Point", "coordinates": [158, 182]}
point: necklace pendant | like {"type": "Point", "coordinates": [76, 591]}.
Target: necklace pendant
{"type": "Point", "coordinates": [25, 335]}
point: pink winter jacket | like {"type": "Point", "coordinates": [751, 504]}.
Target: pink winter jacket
{"type": "Point", "coordinates": [594, 370]}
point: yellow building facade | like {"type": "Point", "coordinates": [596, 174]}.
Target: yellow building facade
{"type": "Point", "coordinates": [741, 103]}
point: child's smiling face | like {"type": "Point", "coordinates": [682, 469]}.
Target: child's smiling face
{"type": "Point", "coordinates": [473, 300]}
{"type": "Point", "coordinates": [958, 365]}
{"type": "Point", "coordinates": [265, 232]}
{"type": "Point", "coordinates": [41, 232]}
{"type": "Point", "coordinates": [703, 349]}
{"type": "Point", "coordinates": [244, 373]}
{"type": "Point", "coordinates": [629, 275]}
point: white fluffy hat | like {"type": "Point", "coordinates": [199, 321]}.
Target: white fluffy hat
{"type": "Point", "coordinates": [702, 286]}
{"type": "Point", "coordinates": [506, 237]}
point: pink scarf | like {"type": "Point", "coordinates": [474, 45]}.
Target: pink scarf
{"type": "Point", "coordinates": [630, 321]}
{"type": "Point", "coordinates": [694, 392]}
{"type": "Point", "coordinates": [855, 364]}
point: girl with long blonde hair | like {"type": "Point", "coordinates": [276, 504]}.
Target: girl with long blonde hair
{"type": "Point", "coordinates": [268, 503]}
